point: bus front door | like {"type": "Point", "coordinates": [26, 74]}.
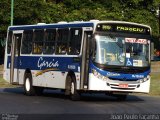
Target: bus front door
{"type": "Point", "coordinates": [15, 54]}
{"type": "Point", "coordinates": [85, 60]}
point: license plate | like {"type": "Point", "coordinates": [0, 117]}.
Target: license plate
{"type": "Point", "coordinates": [123, 85]}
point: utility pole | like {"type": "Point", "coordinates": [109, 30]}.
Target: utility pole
{"type": "Point", "coordinates": [159, 18]}
{"type": "Point", "coordinates": [159, 24]}
{"type": "Point", "coordinates": [12, 5]}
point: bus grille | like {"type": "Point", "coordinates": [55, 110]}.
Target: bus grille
{"type": "Point", "coordinates": [123, 88]}
{"type": "Point", "coordinates": [130, 86]}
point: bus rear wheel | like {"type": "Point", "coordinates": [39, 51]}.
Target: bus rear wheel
{"type": "Point", "coordinates": [74, 94]}
{"type": "Point", "coordinates": [28, 88]}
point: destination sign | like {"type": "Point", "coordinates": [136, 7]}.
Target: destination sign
{"type": "Point", "coordinates": [125, 28]}
{"type": "Point", "coordinates": [130, 29]}
{"type": "Point", "coordinates": [134, 40]}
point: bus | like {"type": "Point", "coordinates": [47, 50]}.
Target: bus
{"type": "Point", "coordinates": [111, 57]}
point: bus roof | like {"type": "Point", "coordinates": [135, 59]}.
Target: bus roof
{"type": "Point", "coordinates": [75, 24]}
{"type": "Point", "coordinates": [54, 25]}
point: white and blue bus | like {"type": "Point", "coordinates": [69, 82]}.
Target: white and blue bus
{"type": "Point", "coordinates": [112, 57]}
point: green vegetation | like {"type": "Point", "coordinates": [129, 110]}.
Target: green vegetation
{"type": "Point", "coordinates": [4, 84]}
{"type": "Point", "coordinates": [155, 84]}
{"type": "Point", "coordinates": [50, 11]}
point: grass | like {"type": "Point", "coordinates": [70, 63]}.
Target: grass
{"type": "Point", "coordinates": [155, 84]}
{"type": "Point", "coordinates": [1, 67]}
{"type": "Point", "coordinates": [4, 84]}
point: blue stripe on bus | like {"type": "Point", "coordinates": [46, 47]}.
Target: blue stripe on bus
{"type": "Point", "coordinates": [42, 63]}
{"type": "Point", "coordinates": [50, 26]}
{"type": "Point", "coordinates": [120, 76]}
{"type": "Point", "coordinates": [66, 64]}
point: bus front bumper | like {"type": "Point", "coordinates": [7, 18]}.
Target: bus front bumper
{"type": "Point", "coordinates": [97, 84]}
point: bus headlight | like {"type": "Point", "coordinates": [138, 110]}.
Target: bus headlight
{"type": "Point", "coordinates": [140, 81]}
{"type": "Point", "coordinates": [144, 79]}
{"type": "Point", "coordinates": [105, 78]}
{"type": "Point", "coordinates": [95, 73]}
{"type": "Point", "coordinates": [148, 77]}
{"type": "Point", "coordinates": [99, 76]}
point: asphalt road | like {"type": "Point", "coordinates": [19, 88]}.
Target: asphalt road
{"type": "Point", "coordinates": [13, 101]}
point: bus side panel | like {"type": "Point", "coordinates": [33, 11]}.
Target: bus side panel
{"type": "Point", "coordinates": [51, 79]}
{"type": "Point", "coordinates": [6, 74]}
{"type": "Point", "coordinates": [77, 74]}
{"type": "Point", "coordinates": [56, 79]}
{"type": "Point", "coordinates": [48, 71]}
{"type": "Point", "coordinates": [21, 76]}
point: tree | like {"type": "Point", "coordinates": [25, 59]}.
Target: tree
{"type": "Point", "coordinates": [50, 11]}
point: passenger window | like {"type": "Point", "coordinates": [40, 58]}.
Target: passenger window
{"type": "Point", "coordinates": [49, 43]}
{"type": "Point", "coordinates": [9, 42]}
{"type": "Point", "coordinates": [38, 41]}
{"type": "Point", "coordinates": [62, 40]}
{"type": "Point", "coordinates": [27, 42]}
{"type": "Point", "coordinates": [75, 41]}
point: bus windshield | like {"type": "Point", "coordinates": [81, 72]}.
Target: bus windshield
{"type": "Point", "coordinates": [122, 51]}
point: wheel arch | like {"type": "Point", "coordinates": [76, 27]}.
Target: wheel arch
{"type": "Point", "coordinates": [72, 75]}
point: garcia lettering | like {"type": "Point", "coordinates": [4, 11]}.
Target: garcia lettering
{"type": "Point", "coordinates": [49, 64]}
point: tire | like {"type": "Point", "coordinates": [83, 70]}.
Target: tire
{"type": "Point", "coordinates": [74, 94]}
{"type": "Point", "coordinates": [67, 86]}
{"type": "Point", "coordinates": [28, 88]}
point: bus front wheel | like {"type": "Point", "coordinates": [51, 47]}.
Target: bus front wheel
{"type": "Point", "coordinates": [75, 95]}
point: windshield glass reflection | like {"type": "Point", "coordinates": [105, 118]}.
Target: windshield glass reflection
{"type": "Point", "coordinates": [112, 50]}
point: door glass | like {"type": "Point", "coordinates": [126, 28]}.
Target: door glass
{"type": "Point", "coordinates": [15, 59]}
{"type": "Point", "coordinates": [18, 43]}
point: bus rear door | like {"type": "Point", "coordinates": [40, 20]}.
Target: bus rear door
{"type": "Point", "coordinates": [15, 56]}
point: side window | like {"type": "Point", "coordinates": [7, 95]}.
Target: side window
{"type": "Point", "coordinates": [38, 41]}
{"type": "Point", "coordinates": [75, 41]}
{"type": "Point", "coordinates": [62, 40]}
{"type": "Point", "coordinates": [27, 42]}
{"type": "Point", "coordinates": [9, 42]}
{"type": "Point", "coordinates": [49, 43]}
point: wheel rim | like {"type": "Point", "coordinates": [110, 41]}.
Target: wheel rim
{"type": "Point", "coordinates": [27, 84]}
{"type": "Point", "coordinates": [72, 88]}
